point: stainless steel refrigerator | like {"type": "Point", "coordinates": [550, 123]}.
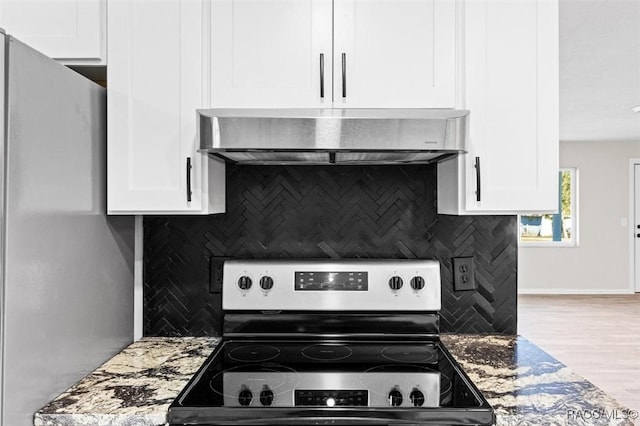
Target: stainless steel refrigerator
{"type": "Point", "coordinates": [66, 268]}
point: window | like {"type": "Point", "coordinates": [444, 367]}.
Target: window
{"type": "Point", "coordinates": [554, 230]}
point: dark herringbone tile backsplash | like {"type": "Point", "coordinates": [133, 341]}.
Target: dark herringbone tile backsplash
{"type": "Point", "coordinates": [327, 212]}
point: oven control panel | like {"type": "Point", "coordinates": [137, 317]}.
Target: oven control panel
{"type": "Point", "coordinates": [330, 398]}
{"type": "Point", "coordinates": [322, 389]}
{"type": "Point", "coordinates": [340, 285]}
{"type": "Point", "coordinates": [331, 281]}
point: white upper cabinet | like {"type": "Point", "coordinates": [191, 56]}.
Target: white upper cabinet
{"type": "Point", "coordinates": [271, 53]}
{"type": "Point", "coordinates": [156, 78]}
{"type": "Point", "coordinates": [343, 54]}
{"type": "Point", "coordinates": [511, 89]}
{"type": "Point", "coordinates": [394, 53]}
{"type": "Point", "coordinates": [71, 31]}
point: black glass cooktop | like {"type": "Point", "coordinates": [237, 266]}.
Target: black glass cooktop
{"type": "Point", "coordinates": [330, 382]}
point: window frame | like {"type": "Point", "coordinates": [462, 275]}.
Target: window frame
{"type": "Point", "coordinates": [574, 241]}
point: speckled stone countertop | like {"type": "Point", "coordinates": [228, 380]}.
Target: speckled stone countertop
{"type": "Point", "coordinates": [135, 387]}
{"type": "Point", "coordinates": [525, 385]}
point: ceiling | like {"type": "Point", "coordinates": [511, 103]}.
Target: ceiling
{"type": "Point", "coordinates": [599, 70]}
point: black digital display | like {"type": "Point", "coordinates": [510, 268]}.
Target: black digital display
{"type": "Point", "coordinates": [331, 281]}
{"type": "Point", "coordinates": [332, 398]}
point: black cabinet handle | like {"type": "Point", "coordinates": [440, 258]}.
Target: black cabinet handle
{"type": "Point", "coordinates": [322, 76]}
{"type": "Point", "coordinates": [478, 184]}
{"type": "Point", "coordinates": [188, 179]}
{"type": "Point", "coordinates": [344, 75]}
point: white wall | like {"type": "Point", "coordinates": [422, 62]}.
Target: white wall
{"type": "Point", "coordinates": [600, 264]}
{"type": "Point", "coordinates": [599, 70]}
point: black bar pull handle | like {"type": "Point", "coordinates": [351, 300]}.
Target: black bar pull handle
{"type": "Point", "coordinates": [322, 76]}
{"type": "Point", "coordinates": [478, 183]}
{"type": "Point", "coordinates": [344, 75]}
{"type": "Point", "coordinates": [188, 179]}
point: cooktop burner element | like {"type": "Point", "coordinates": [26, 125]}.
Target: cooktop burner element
{"type": "Point", "coordinates": [325, 352]}
{"type": "Point", "coordinates": [410, 353]}
{"type": "Point", "coordinates": [330, 342]}
{"type": "Point", "coordinates": [254, 353]}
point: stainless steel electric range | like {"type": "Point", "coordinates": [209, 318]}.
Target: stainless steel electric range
{"type": "Point", "coordinates": [330, 342]}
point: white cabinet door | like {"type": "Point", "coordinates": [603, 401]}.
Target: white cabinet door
{"type": "Point", "coordinates": [271, 53]}
{"type": "Point", "coordinates": [156, 74]}
{"type": "Point", "coordinates": [72, 31]}
{"type": "Point", "coordinates": [308, 53]}
{"type": "Point", "coordinates": [511, 80]}
{"type": "Point", "coordinates": [394, 53]}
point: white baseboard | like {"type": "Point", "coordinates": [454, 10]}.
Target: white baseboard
{"type": "Point", "coordinates": [575, 291]}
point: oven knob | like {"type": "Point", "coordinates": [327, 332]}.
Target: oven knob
{"type": "Point", "coordinates": [395, 282]}
{"type": "Point", "coordinates": [266, 282]}
{"type": "Point", "coordinates": [417, 283]}
{"type": "Point", "coordinates": [395, 397]}
{"type": "Point", "coordinates": [244, 282]}
{"type": "Point", "coordinates": [266, 396]}
{"type": "Point", "coordinates": [245, 396]}
{"type": "Point", "coordinates": [416, 397]}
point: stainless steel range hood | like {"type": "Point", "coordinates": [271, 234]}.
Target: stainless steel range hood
{"type": "Point", "coordinates": [333, 136]}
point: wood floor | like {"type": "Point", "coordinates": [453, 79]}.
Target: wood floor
{"type": "Point", "coordinates": [597, 337]}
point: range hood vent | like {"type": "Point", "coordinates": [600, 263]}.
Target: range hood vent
{"type": "Point", "coordinates": [333, 136]}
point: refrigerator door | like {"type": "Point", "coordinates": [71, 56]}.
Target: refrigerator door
{"type": "Point", "coordinates": [2, 217]}
{"type": "Point", "coordinates": [68, 268]}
